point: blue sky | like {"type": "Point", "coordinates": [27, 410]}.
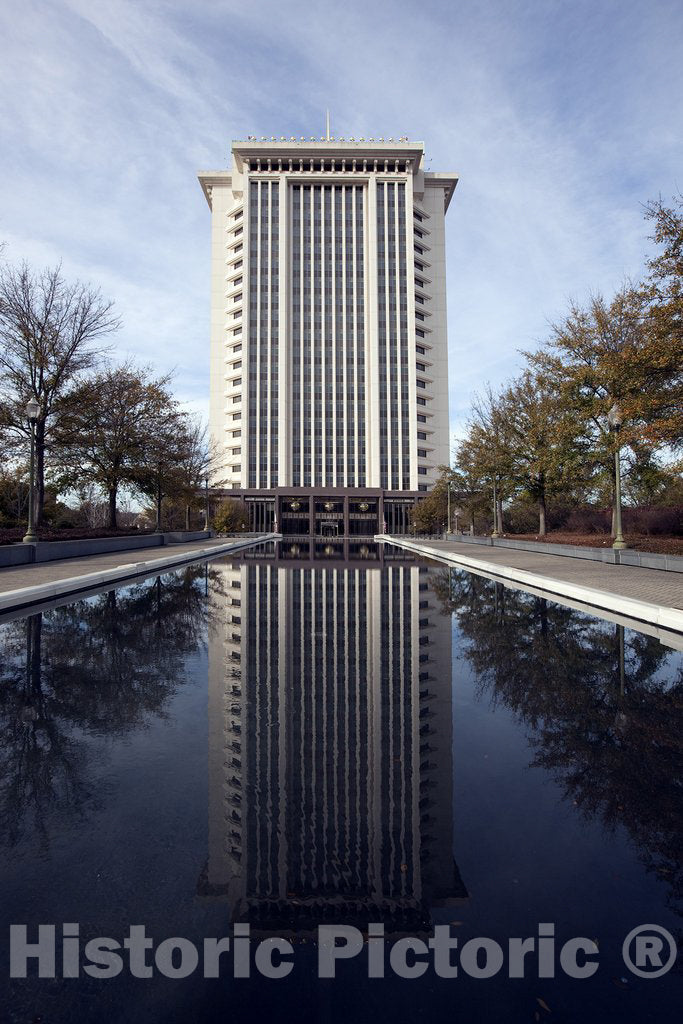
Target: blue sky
{"type": "Point", "coordinates": [561, 118]}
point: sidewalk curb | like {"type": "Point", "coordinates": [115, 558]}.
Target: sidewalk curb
{"type": "Point", "coordinates": [72, 584]}
{"type": "Point", "coordinates": [644, 611]}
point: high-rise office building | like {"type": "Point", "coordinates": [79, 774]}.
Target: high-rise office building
{"type": "Point", "coordinates": [329, 356]}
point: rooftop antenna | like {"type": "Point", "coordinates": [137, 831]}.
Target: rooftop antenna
{"type": "Point", "coordinates": [327, 125]}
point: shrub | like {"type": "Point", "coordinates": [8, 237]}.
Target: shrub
{"type": "Point", "coordinates": [231, 517]}
{"type": "Point", "coordinates": [651, 520]}
{"type": "Point", "coordinates": [589, 520]}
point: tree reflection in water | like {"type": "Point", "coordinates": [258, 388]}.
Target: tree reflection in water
{"type": "Point", "coordinates": [604, 706]}
{"type": "Point", "coordinates": [102, 665]}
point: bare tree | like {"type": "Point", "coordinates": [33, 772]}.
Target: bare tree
{"type": "Point", "coordinates": [157, 474]}
{"type": "Point", "coordinates": [199, 461]}
{"type": "Point", "coordinates": [48, 333]}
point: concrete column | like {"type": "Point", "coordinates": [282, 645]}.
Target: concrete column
{"type": "Point", "coordinates": [371, 347]}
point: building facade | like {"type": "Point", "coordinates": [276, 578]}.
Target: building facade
{"type": "Point", "coordinates": [329, 358]}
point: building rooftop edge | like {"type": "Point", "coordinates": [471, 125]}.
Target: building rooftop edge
{"type": "Point", "coordinates": [282, 143]}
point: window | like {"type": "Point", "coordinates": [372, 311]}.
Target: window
{"type": "Point", "coordinates": [238, 231]}
{"type": "Point", "coordinates": [238, 366]}
{"type": "Point", "coordinates": [418, 282]}
{"type": "Point", "coordinates": [422, 487]}
{"type": "Point", "coordinates": [236, 282]}
{"type": "Point", "coordinates": [420, 334]}
{"type": "Point", "coordinates": [421, 367]}
{"type": "Point", "coordinates": [240, 212]}
{"type": "Point", "coordinates": [420, 401]}
{"type": "Point", "coordinates": [422, 470]}
{"type": "Point", "coordinates": [418, 316]}
{"type": "Point", "coordinates": [238, 469]}
{"type": "Point", "coordinates": [238, 248]}
{"type": "Point", "coordinates": [420, 350]}
{"type": "Point", "coordinates": [237, 416]}
{"type": "Point", "coordinates": [236, 348]}
{"type": "Point", "coordinates": [420, 418]}
{"type": "Point", "coordinates": [238, 433]}
{"type": "Point", "coordinates": [236, 266]}
{"type": "Point", "coordinates": [237, 298]}
{"type": "Point", "coordinates": [420, 383]}
{"type": "Point", "coordinates": [237, 315]}
{"type": "Point", "coordinates": [421, 436]}
{"type": "Point", "coordinates": [417, 216]}
{"type": "Point", "coordinates": [237, 451]}
{"type": "Point", "coordinates": [236, 330]}
{"type": "Point", "coordinates": [238, 398]}
{"type": "Point", "coordinates": [421, 453]}
{"type": "Point", "coordinates": [419, 266]}
{"type": "Point", "coordinates": [236, 383]}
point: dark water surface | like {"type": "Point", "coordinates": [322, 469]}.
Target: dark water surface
{"type": "Point", "coordinates": [261, 746]}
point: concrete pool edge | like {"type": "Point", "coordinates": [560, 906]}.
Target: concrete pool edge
{"type": "Point", "coordinates": [23, 597]}
{"type": "Point", "coordinates": [663, 616]}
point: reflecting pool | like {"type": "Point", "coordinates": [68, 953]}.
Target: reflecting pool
{"type": "Point", "coordinates": [257, 748]}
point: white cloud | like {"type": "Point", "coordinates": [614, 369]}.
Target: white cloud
{"type": "Point", "coordinates": [560, 119]}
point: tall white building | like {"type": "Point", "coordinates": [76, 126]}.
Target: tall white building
{"type": "Point", "coordinates": [329, 357]}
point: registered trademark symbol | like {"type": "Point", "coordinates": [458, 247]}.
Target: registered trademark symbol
{"type": "Point", "coordinates": [645, 949]}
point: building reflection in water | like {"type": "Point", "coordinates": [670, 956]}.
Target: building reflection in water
{"type": "Point", "coordinates": [330, 744]}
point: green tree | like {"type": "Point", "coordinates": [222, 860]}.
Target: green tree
{"type": "Point", "coordinates": [663, 295]}
{"type": "Point", "coordinates": [541, 438]}
{"type": "Point", "coordinates": [485, 452]}
{"type": "Point", "coordinates": [158, 472]}
{"type": "Point", "coordinates": [610, 353]}
{"type": "Point", "coordinates": [470, 486]}
{"type": "Point", "coordinates": [103, 435]}
{"type": "Point", "coordinates": [430, 513]}
{"type": "Point", "coordinates": [13, 495]}
{"type": "Point", "coordinates": [231, 517]}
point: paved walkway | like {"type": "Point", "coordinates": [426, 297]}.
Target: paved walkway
{"type": "Point", "coordinates": [651, 595]}
{"type": "Point", "coordinates": [23, 584]}
{"type": "Point", "coordinates": [654, 585]}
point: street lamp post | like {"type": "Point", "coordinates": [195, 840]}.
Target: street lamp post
{"type": "Point", "coordinates": [615, 419]}
{"type": "Point", "coordinates": [159, 498]}
{"type": "Point", "coordinates": [448, 520]}
{"type": "Point", "coordinates": [32, 410]}
{"type": "Point", "coordinates": [206, 492]}
{"type": "Point", "coordinates": [495, 511]}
